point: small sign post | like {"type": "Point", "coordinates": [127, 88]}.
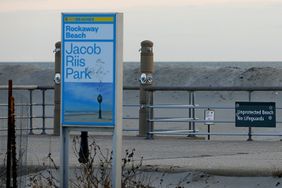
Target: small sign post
{"type": "Point", "coordinates": [91, 88]}
{"type": "Point", "coordinates": [209, 118]}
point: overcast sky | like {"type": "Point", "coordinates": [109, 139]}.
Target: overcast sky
{"type": "Point", "coordinates": [182, 30]}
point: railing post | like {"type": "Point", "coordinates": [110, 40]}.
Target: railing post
{"type": "Point", "coordinates": [43, 111]}
{"type": "Point", "coordinates": [190, 110]}
{"type": "Point", "coordinates": [193, 112]}
{"type": "Point", "coordinates": [30, 112]}
{"type": "Point", "coordinates": [146, 79]}
{"type": "Point", "coordinates": [57, 89]}
{"type": "Point", "coordinates": [209, 131]}
{"type": "Point", "coordinates": [9, 138]}
{"type": "Point", "coordinates": [250, 128]}
{"type": "Point", "coordinates": [150, 114]}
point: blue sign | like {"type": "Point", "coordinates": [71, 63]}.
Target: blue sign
{"type": "Point", "coordinates": [88, 69]}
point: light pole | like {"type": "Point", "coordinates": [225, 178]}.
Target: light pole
{"type": "Point", "coordinates": [100, 99]}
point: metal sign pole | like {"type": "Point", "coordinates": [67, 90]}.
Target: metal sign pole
{"type": "Point", "coordinates": [117, 138]}
{"type": "Point", "coordinates": [64, 168]}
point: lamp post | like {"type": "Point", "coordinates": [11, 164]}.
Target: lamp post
{"type": "Point", "coordinates": [100, 99]}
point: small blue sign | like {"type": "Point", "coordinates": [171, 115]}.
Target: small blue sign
{"type": "Point", "coordinates": [88, 69]}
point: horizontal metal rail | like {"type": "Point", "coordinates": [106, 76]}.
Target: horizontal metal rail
{"type": "Point", "coordinates": [218, 134]}
{"type": "Point", "coordinates": [131, 105]}
{"type": "Point", "coordinates": [173, 131]}
{"type": "Point", "coordinates": [28, 117]}
{"type": "Point", "coordinates": [19, 87]}
{"type": "Point", "coordinates": [243, 88]}
{"type": "Point", "coordinates": [5, 130]}
{"type": "Point", "coordinates": [159, 88]}
{"type": "Point", "coordinates": [196, 106]}
{"type": "Point", "coordinates": [191, 107]}
{"type": "Point", "coordinates": [178, 106]}
{"type": "Point", "coordinates": [184, 120]}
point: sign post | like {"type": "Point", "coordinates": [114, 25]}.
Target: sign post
{"type": "Point", "coordinates": [209, 120]}
{"type": "Point", "coordinates": [91, 89]}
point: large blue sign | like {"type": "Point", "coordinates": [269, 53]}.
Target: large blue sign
{"type": "Point", "coordinates": [88, 69]}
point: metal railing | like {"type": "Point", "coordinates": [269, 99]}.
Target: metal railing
{"type": "Point", "coordinates": [30, 104]}
{"type": "Point", "coordinates": [192, 107]}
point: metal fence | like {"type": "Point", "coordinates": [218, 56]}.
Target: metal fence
{"type": "Point", "coordinates": [37, 110]}
{"type": "Point", "coordinates": [39, 106]}
{"type": "Point", "coordinates": [192, 107]}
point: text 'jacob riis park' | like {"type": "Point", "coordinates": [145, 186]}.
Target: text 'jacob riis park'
{"type": "Point", "coordinates": [74, 60]}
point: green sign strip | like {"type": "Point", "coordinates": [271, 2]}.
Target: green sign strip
{"type": "Point", "coordinates": [87, 19]}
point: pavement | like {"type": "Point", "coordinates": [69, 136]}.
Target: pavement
{"type": "Point", "coordinates": [228, 158]}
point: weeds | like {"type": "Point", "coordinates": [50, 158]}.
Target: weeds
{"type": "Point", "coordinates": [96, 171]}
{"type": "Point", "coordinates": [46, 177]}
{"type": "Point", "coordinates": [3, 169]}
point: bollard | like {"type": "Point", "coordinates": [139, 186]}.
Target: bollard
{"type": "Point", "coordinates": [57, 86]}
{"type": "Point", "coordinates": [146, 78]}
{"type": "Point", "coordinates": [83, 151]}
{"type": "Point", "coordinates": [11, 141]}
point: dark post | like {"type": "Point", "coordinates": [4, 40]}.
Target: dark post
{"type": "Point", "coordinates": [30, 112]}
{"type": "Point", "coordinates": [43, 112]}
{"type": "Point", "coordinates": [8, 171]}
{"type": "Point", "coordinates": [190, 111]}
{"type": "Point", "coordinates": [250, 128]}
{"type": "Point", "coordinates": [11, 142]}
{"type": "Point", "coordinates": [57, 86]}
{"type": "Point", "coordinates": [83, 151]}
{"type": "Point", "coordinates": [209, 131]}
{"type": "Point", "coordinates": [146, 79]}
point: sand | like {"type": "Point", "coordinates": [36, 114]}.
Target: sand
{"type": "Point", "coordinates": [171, 74]}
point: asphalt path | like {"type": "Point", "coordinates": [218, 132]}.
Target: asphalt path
{"type": "Point", "coordinates": [229, 158]}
